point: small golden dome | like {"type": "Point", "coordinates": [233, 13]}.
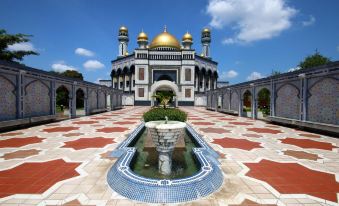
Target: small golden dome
{"type": "Point", "coordinates": [165, 39]}
{"type": "Point", "coordinates": [187, 37]}
{"type": "Point", "coordinates": [123, 28]}
{"type": "Point", "coordinates": [142, 36]}
{"type": "Point", "coordinates": [206, 30]}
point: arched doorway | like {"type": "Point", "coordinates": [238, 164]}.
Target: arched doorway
{"type": "Point", "coordinates": [247, 104]}
{"type": "Point", "coordinates": [264, 103]}
{"type": "Point", "coordinates": [62, 102]}
{"type": "Point", "coordinates": [166, 87]}
{"type": "Point", "coordinates": [80, 103]}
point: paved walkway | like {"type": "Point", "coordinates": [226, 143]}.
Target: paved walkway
{"type": "Point", "coordinates": [67, 162]}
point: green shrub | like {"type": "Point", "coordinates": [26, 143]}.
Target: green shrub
{"type": "Point", "coordinates": [159, 114]}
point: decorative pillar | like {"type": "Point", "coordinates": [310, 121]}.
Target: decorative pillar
{"type": "Point", "coordinates": [20, 97]}
{"type": "Point", "coordinates": [130, 82]}
{"type": "Point", "coordinates": [240, 104]}
{"type": "Point", "coordinates": [303, 99]}
{"type": "Point", "coordinates": [53, 98]}
{"type": "Point", "coordinates": [254, 102]}
{"type": "Point", "coordinates": [272, 99]}
{"type": "Point", "coordinates": [229, 99]}
{"type": "Point", "coordinates": [72, 103]}
{"type": "Point", "coordinates": [124, 82]}
{"type": "Point", "coordinates": [199, 81]}
{"type": "Point", "coordinates": [86, 105]}
{"type": "Point", "coordinates": [97, 107]}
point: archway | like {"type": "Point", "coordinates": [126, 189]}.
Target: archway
{"type": "Point", "coordinates": [80, 103]}
{"type": "Point", "coordinates": [247, 104]}
{"type": "Point", "coordinates": [167, 87]}
{"type": "Point", "coordinates": [264, 103]}
{"type": "Point", "coordinates": [62, 102]}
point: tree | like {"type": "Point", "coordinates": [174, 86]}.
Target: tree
{"type": "Point", "coordinates": [70, 73]}
{"type": "Point", "coordinates": [314, 60]}
{"type": "Point", "coordinates": [10, 39]}
{"type": "Point", "coordinates": [164, 97]}
{"type": "Point", "coordinates": [73, 74]}
{"type": "Point", "coordinates": [275, 72]}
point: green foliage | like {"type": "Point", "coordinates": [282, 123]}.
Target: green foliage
{"type": "Point", "coordinates": [173, 114]}
{"type": "Point", "coordinates": [275, 72]}
{"type": "Point", "coordinates": [70, 73]}
{"type": "Point", "coordinates": [314, 60]}
{"type": "Point", "coordinates": [10, 39]}
{"type": "Point", "coordinates": [62, 97]}
{"type": "Point", "coordinates": [164, 97]}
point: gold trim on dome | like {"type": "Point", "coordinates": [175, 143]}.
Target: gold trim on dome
{"type": "Point", "coordinates": [188, 37]}
{"type": "Point", "coordinates": [206, 30]}
{"type": "Point", "coordinates": [165, 39]}
{"type": "Point", "coordinates": [142, 36]}
{"type": "Point", "coordinates": [123, 28]}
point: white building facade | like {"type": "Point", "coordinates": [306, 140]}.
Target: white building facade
{"type": "Point", "coordinates": [164, 65]}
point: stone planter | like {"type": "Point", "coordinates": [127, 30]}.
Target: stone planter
{"type": "Point", "coordinates": [165, 136]}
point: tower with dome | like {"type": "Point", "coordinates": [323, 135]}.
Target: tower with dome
{"type": "Point", "coordinates": [164, 65]}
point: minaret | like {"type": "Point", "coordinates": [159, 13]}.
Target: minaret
{"type": "Point", "coordinates": [123, 41]}
{"type": "Point", "coordinates": [187, 41]}
{"type": "Point", "coordinates": [206, 40]}
{"type": "Point", "coordinates": [142, 40]}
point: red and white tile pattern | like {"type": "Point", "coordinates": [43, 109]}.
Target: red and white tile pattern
{"type": "Point", "coordinates": [66, 163]}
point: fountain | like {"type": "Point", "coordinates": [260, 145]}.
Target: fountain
{"type": "Point", "coordinates": [165, 134]}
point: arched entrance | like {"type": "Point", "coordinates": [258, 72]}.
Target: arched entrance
{"type": "Point", "coordinates": [62, 102]}
{"type": "Point", "coordinates": [247, 104]}
{"type": "Point", "coordinates": [264, 102]}
{"type": "Point", "coordinates": [166, 87]}
{"type": "Point", "coordinates": [80, 103]}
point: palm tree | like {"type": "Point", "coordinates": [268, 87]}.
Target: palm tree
{"type": "Point", "coordinates": [164, 97]}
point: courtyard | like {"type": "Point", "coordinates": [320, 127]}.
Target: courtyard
{"type": "Point", "coordinates": [66, 162]}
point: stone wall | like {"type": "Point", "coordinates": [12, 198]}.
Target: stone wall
{"type": "Point", "coordinates": [31, 93]}
{"type": "Point", "coordinates": [309, 95]}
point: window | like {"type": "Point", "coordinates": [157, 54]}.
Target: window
{"type": "Point", "coordinates": [127, 83]}
{"type": "Point", "coordinates": [187, 74]}
{"type": "Point", "coordinates": [187, 93]}
{"type": "Point", "coordinates": [141, 92]}
{"type": "Point", "coordinates": [141, 74]}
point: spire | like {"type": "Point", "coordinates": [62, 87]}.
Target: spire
{"type": "Point", "coordinates": [165, 28]}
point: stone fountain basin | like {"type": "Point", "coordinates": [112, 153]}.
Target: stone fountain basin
{"type": "Point", "coordinates": [165, 135]}
{"type": "Point", "coordinates": [160, 125]}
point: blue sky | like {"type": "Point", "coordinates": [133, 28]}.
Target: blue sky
{"type": "Point", "coordinates": [249, 38]}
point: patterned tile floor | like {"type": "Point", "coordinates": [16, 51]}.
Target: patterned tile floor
{"type": "Point", "coordinates": [66, 163]}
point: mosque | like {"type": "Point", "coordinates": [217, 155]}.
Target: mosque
{"type": "Point", "coordinates": [164, 65]}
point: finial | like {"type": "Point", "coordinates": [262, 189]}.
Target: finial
{"type": "Point", "coordinates": [165, 28]}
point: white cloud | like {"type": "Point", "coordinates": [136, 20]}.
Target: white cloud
{"type": "Point", "coordinates": [23, 46]}
{"type": "Point", "coordinates": [309, 22]}
{"type": "Point", "coordinates": [254, 76]}
{"type": "Point", "coordinates": [92, 65]}
{"type": "Point", "coordinates": [84, 52]}
{"type": "Point", "coordinates": [294, 69]}
{"type": "Point", "coordinates": [62, 66]}
{"type": "Point", "coordinates": [228, 75]}
{"type": "Point", "coordinates": [252, 21]}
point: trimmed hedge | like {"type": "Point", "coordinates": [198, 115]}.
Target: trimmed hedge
{"type": "Point", "coordinates": [173, 114]}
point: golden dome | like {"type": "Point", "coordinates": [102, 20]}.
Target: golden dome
{"type": "Point", "coordinates": [187, 37]}
{"type": "Point", "coordinates": [142, 36]}
{"type": "Point", "coordinates": [123, 28]}
{"type": "Point", "coordinates": [206, 30]}
{"type": "Point", "coordinates": [165, 39]}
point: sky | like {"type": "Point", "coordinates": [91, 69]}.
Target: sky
{"type": "Point", "coordinates": [250, 39]}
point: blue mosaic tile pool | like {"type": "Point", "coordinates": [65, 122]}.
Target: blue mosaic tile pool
{"type": "Point", "coordinates": [130, 185]}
